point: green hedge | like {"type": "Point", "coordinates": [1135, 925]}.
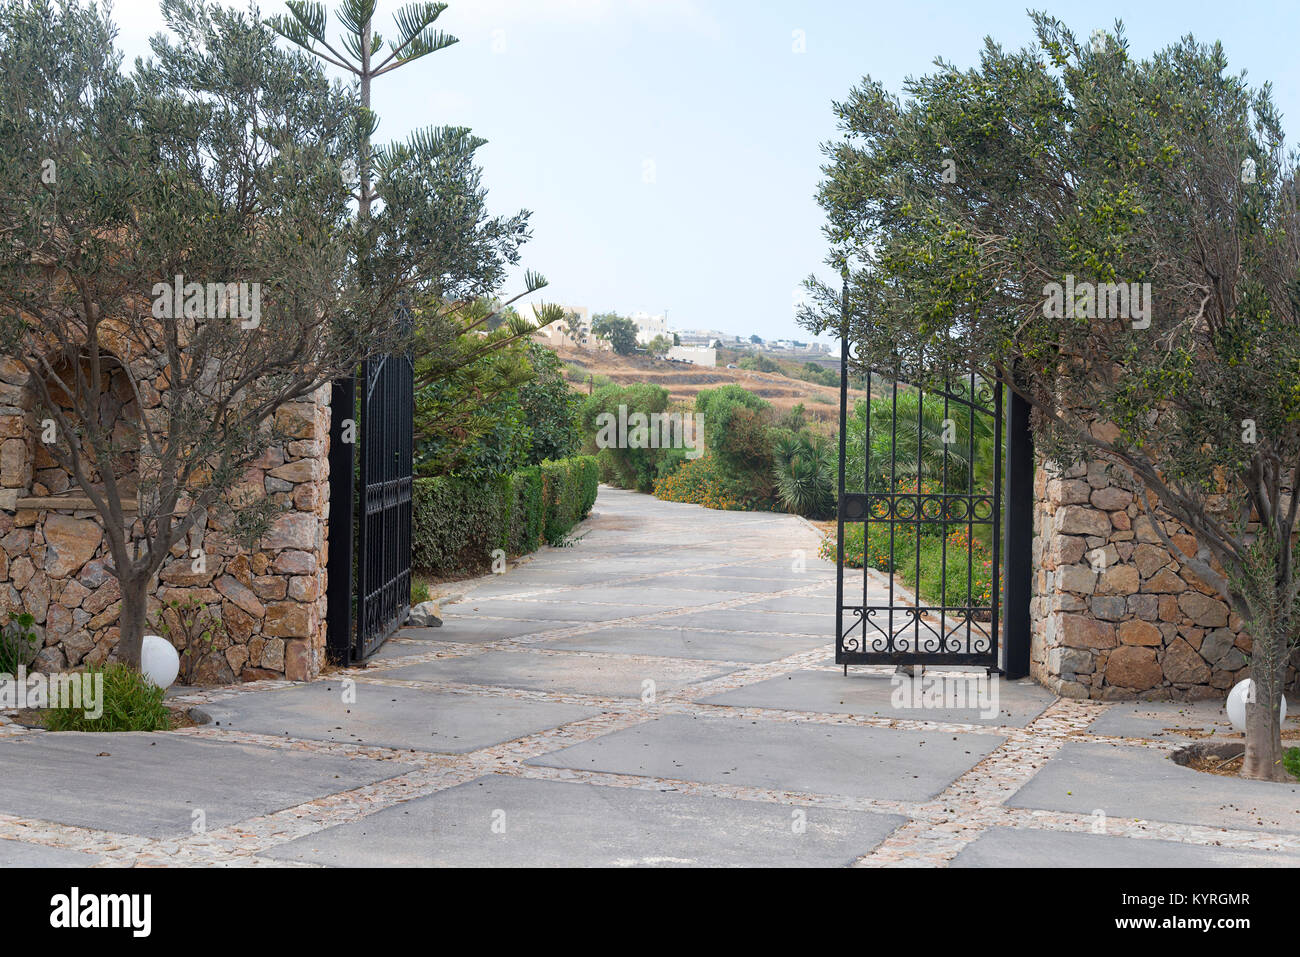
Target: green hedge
{"type": "Point", "coordinates": [457, 524]}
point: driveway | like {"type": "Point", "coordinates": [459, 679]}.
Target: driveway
{"type": "Point", "coordinates": [660, 692]}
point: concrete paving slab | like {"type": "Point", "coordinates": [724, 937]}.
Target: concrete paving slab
{"type": "Point", "coordinates": [150, 784]}
{"type": "Point", "coordinates": [688, 643]}
{"type": "Point", "coordinates": [1018, 847]}
{"type": "Point", "coordinates": [546, 577]}
{"type": "Point", "coordinates": [993, 702]}
{"type": "Point", "coordinates": [582, 674]}
{"type": "Point", "coordinates": [539, 609]}
{"type": "Point", "coordinates": [1171, 719]}
{"type": "Point", "coordinates": [561, 824]}
{"type": "Point", "coordinates": [711, 582]}
{"type": "Point", "coordinates": [1137, 782]}
{"type": "Point", "coordinates": [781, 569]}
{"type": "Point", "coordinates": [614, 568]}
{"type": "Point", "coordinates": [396, 647]}
{"type": "Point", "coordinates": [823, 759]}
{"type": "Point", "coordinates": [761, 622]}
{"type": "Point", "coordinates": [576, 574]}
{"type": "Point", "coordinates": [393, 717]}
{"type": "Point", "coordinates": [474, 630]}
{"type": "Point", "coordinates": [502, 588]}
{"type": "Point", "coordinates": [798, 604]}
{"type": "Point", "coordinates": [20, 854]}
{"type": "Point", "coordinates": [647, 598]}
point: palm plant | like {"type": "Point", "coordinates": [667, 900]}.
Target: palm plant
{"type": "Point", "coordinates": [805, 474]}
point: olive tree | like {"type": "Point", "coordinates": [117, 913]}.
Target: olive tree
{"type": "Point", "coordinates": [1117, 241]}
{"type": "Point", "coordinates": [186, 229]}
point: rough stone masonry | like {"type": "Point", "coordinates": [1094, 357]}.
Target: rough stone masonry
{"type": "Point", "coordinates": [1114, 614]}
{"type": "Point", "coordinates": [53, 557]}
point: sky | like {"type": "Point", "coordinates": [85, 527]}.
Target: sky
{"type": "Point", "coordinates": [670, 150]}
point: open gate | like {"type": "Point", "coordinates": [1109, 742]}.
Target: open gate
{"type": "Point", "coordinates": [922, 498]}
{"type": "Point", "coordinates": [369, 589]}
{"type": "Point", "coordinates": [384, 522]}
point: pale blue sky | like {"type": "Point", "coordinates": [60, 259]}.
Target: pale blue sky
{"type": "Point", "coordinates": [577, 98]}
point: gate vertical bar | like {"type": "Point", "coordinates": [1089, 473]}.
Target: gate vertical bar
{"type": "Point", "coordinates": [866, 519]}
{"type": "Point", "coordinates": [364, 548]}
{"type": "Point", "coordinates": [994, 514]}
{"type": "Point", "coordinates": [1019, 505]}
{"type": "Point", "coordinates": [839, 502]}
{"type": "Point", "coordinates": [339, 550]}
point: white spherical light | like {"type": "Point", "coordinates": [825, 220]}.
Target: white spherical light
{"type": "Point", "coordinates": [1237, 703]}
{"type": "Point", "coordinates": [159, 661]}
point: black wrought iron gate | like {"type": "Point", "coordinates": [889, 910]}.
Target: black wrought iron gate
{"type": "Point", "coordinates": [384, 522]}
{"type": "Point", "coordinates": [920, 485]}
{"type": "Point", "coordinates": [369, 604]}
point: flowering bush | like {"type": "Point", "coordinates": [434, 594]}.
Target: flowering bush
{"type": "Point", "coordinates": [701, 482]}
{"type": "Point", "coordinates": [981, 558]}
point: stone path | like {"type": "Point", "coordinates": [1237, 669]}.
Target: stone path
{"type": "Point", "coordinates": [662, 692]}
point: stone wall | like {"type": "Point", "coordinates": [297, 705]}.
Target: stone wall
{"type": "Point", "coordinates": [53, 558]}
{"type": "Point", "coordinates": [1114, 614]}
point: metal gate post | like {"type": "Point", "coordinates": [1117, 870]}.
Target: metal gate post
{"type": "Point", "coordinates": [338, 590]}
{"type": "Point", "coordinates": [1019, 537]}
{"type": "Point", "coordinates": [839, 498]}
{"type": "Point", "coordinates": [372, 437]}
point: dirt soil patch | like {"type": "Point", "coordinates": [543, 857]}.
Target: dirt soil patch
{"type": "Point", "coordinates": [1223, 757]}
{"type": "Point", "coordinates": [1219, 758]}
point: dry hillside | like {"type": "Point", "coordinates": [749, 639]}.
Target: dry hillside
{"type": "Point", "coordinates": [683, 381]}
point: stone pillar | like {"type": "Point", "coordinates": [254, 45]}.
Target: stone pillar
{"type": "Point", "coordinates": [1115, 614]}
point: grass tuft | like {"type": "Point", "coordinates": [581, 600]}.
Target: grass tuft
{"type": "Point", "coordinates": [131, 703]}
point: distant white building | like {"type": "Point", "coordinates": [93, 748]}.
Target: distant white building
{"type": "Point", "coordinates": [699, 355]}
{"type": "Point", "coordinates": [574, 331]}
{"type": "Point", "coordinates": [648, 326]}
{"type": "Point", "coordinates": [703, 337]}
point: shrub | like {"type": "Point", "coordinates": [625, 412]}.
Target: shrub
{"type": "Point", "coordinates": [18, 644]}
{"type": "Point", "coordinates": [758, 363]}
{"type": "Point", "coordinates": [131, 703]}
{"type": "Point", "coordinates": [588, 480]}
{"type": "Point", "coordinates": [796, 420]}
{"type": "Point", "coordinates": [497, 434]}
{"type": "Point", "coordinates": [550, 409]}
{"type": "Point", "coordinates": [737, 433]}
{"type": "Point", "coordinates": [456, 525]}
{"type": "Point", "coordinates": [525, 514]}
{"type": "Point", "coordinates": [569, 491]}
{"type": "Point", "coordinates": [192, 630]}
{"type": "Point", "coordinates": [621, 466]}
{"type": "Point", "coordinates": [812, 372]}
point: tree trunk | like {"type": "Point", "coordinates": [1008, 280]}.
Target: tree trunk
{"type": "Point", "coordinates": [1263, 721]}
{"type": "Point", "coordinates": [131, 619]}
